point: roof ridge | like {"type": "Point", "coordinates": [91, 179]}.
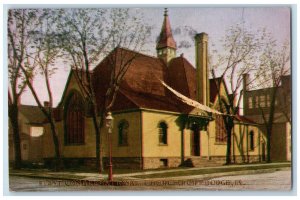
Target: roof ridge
{"type": "Point", "coordinates": [184, 68]}
{"type": "Point", "coordinates": [128, 97]}
{"type": "Point", "coordinates": [143, 54]}
{"type": "Point", "coordinates": [186, 79]}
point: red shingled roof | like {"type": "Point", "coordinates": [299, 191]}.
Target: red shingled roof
{"type": "Point", "coordinates": [182, 77]}
{"type": "Point", "coordinates": [141, 87]}
{"type": "Point", "coordinates": [214, 88]}
{"type": "Point", "coordinates": [141, 83]}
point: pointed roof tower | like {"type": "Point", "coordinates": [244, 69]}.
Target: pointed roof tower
{"type": "Point", "coordinates": [166, 45]}
{"type": "Point", "coordinates": [166, 38]}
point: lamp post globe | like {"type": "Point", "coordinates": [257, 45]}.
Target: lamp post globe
{"type": "Point", "coordinates": [109, 125]}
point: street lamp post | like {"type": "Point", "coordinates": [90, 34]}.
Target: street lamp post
{"type": "Point", "coordinates": [109, 125]}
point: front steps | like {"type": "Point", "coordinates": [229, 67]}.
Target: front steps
{"type": "Point", "coordinates": [197, 161]}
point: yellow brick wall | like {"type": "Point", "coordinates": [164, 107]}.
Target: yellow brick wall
{"type": "Point", "coordinates": [240, 141]}
{"type": "Point", "coordinates": [88, 149]}
{"type": "Point", "coordinates": [151, 145]}
{"type": "Point", "coordinates": [150, 139]}
{"type": "Point", "coordinates": [133, 149]}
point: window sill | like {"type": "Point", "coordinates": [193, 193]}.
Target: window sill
{"type": "Point", "coordinates": [123, 145]}
{"type": "Point", "coordinates": [162, 144]}
{"type": "Point", "coordinates": [220, 143]}
{"type": "Point", "coordinates": [81, 144]}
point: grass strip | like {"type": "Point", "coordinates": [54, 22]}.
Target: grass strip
{"type": "Point", "coordinates": [209, 171]}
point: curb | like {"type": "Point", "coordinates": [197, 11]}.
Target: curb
{"type": "Point", "coordinates": [128, 180]}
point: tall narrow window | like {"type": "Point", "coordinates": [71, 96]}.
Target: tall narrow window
{"type": "Point", "coordinates": [74, 121]}
{"type": "Point", "coordinates": [163, 131]}
{"type": "Point", "coordinates": [268, 100]}
{"type": "Point", "coordinates": [256, 101]}
{"type": "Point", "coordinates": [250, 103]}
{"type": "Point", "coordinates": [262, 101]}
{"type": "Point", "coordinates": [251, 140]}
{"type": "Point", "coordinates": [123, 132]}
{"type": "Point", "coordinates": [220, 129]}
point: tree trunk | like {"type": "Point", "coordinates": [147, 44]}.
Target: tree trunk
{"type": "Point", "coordinates": [99, 162]}
{"type": "Point", "coordinates": [229, 127]}
{"type": "Point", "coordinates": [269, 132]}
{"type": "Point", "coordinates": [14, 115]}
{"type": "Point", "coordinates": [228, 147]}
{"type": "Point", "coordinates": [58, 161]}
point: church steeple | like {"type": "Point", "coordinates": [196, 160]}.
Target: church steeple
{"type": "Point", "coordinates": [166, 45]}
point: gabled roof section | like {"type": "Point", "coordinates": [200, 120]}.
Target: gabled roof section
{"type": "Point", "coordinates": [166, 38]}
{"type": "Point", "coordinates": [182, 77]}
{"type": "Point", "coordinates": [244, 119]}
{"type": "Point", "coordinates": [33, 114]}
{"type": "Point", "coordinates": [142, 78]}
{"type": "Point", "coordinates": [79, 75]}
{"type": "Point", "coordinates": [214, 85]}
{"type": "Point", "coordinates": [152, 101]}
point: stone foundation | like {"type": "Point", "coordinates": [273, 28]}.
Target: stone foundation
{"type": "Point", "coordinates": [149, 162]}
{"type": "Point", "coordinates": [90, 163]}
{"type": "Point", "coordinates": [238, 159]}
{"type": "Point", "coordinates": [124, 162]}
{"type": "Point", "coordinates": [161, 162]}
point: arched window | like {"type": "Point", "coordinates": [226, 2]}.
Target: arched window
{"type": "Point", "coordinates": [123, 132]}
{"type": "Point", "coordinates": [163, 133]}
{"type": "Point", "coordinates": [251, 140]}
{"type": "Point", "coordinates": [74, 120]}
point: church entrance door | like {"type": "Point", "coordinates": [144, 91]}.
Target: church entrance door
{"type": "Point", "coordinates": [195, 141]}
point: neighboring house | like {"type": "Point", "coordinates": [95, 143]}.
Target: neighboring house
{"type": "Point", "coordinates": [31, 128]}
{"type": "Point", "coordinates": [257, 100]}
{"type": "Point", "coordinates": [152, 127]}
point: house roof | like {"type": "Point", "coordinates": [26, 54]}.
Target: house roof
{"type": "Point", "coordinates": [33, 114]}
{"type": "Point", "coordinates": [182, 77]}
{"type": "Point", "coordinates": [214, 88]}
{"type": "Point", "coordinates": [244, 119]}
{"type": "Point", "coordinates": [141, 86]}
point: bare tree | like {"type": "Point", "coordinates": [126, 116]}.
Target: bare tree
{"type": "Point", "coordinates": [19, 24]}
{"type": "Point", "coordinates": [40, 54]}
{"type": "Point", "coordinates": [238, 56]}
{"type": "Point", "coordinates": [274, 64]}
{"type": "Point", "coordinates": [90, 34]}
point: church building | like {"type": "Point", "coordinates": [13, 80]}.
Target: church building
{"type": "Point", "coordinates": [152, 128]}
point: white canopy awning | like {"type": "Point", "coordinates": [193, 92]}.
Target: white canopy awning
{"type": "Point", "coordinates": [191, 102]}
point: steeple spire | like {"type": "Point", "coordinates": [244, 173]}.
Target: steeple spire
{"type": "Point", "coordinates": [166, 38]}
{"type": "Point", "coordinates": [166, 45]}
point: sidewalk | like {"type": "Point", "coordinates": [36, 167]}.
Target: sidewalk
{"type": "Point", "coordinates": [164, 174]}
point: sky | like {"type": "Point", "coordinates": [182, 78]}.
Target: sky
{"type": "Point", "coordinates": [212, 20]}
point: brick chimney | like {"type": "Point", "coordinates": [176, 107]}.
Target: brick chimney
{"type": "Point", "coordinates": [47, 104]}
{"type": "Point", "coordinates": [201, 44]}
{"type": "Point", "coordinates": [246, 82]}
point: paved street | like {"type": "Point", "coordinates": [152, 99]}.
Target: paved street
{"type": "Point", "coordinates": [274, 181]}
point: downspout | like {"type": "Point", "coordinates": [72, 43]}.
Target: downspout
{"type": "Point", "coordinates": [259, 143]}
{"type": "Point", "coordinates": [141, 140]}
{"type": "Point", "coordinates": [232, 143]}
{"type": "Point", "coordinates": [247, 143]}
{"type": "Point", "coordinates": [208, 152]}
{"type": "Point", "coordinates": [182, 146]}
{"type": "Point", "coordinates": [183, 121]}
